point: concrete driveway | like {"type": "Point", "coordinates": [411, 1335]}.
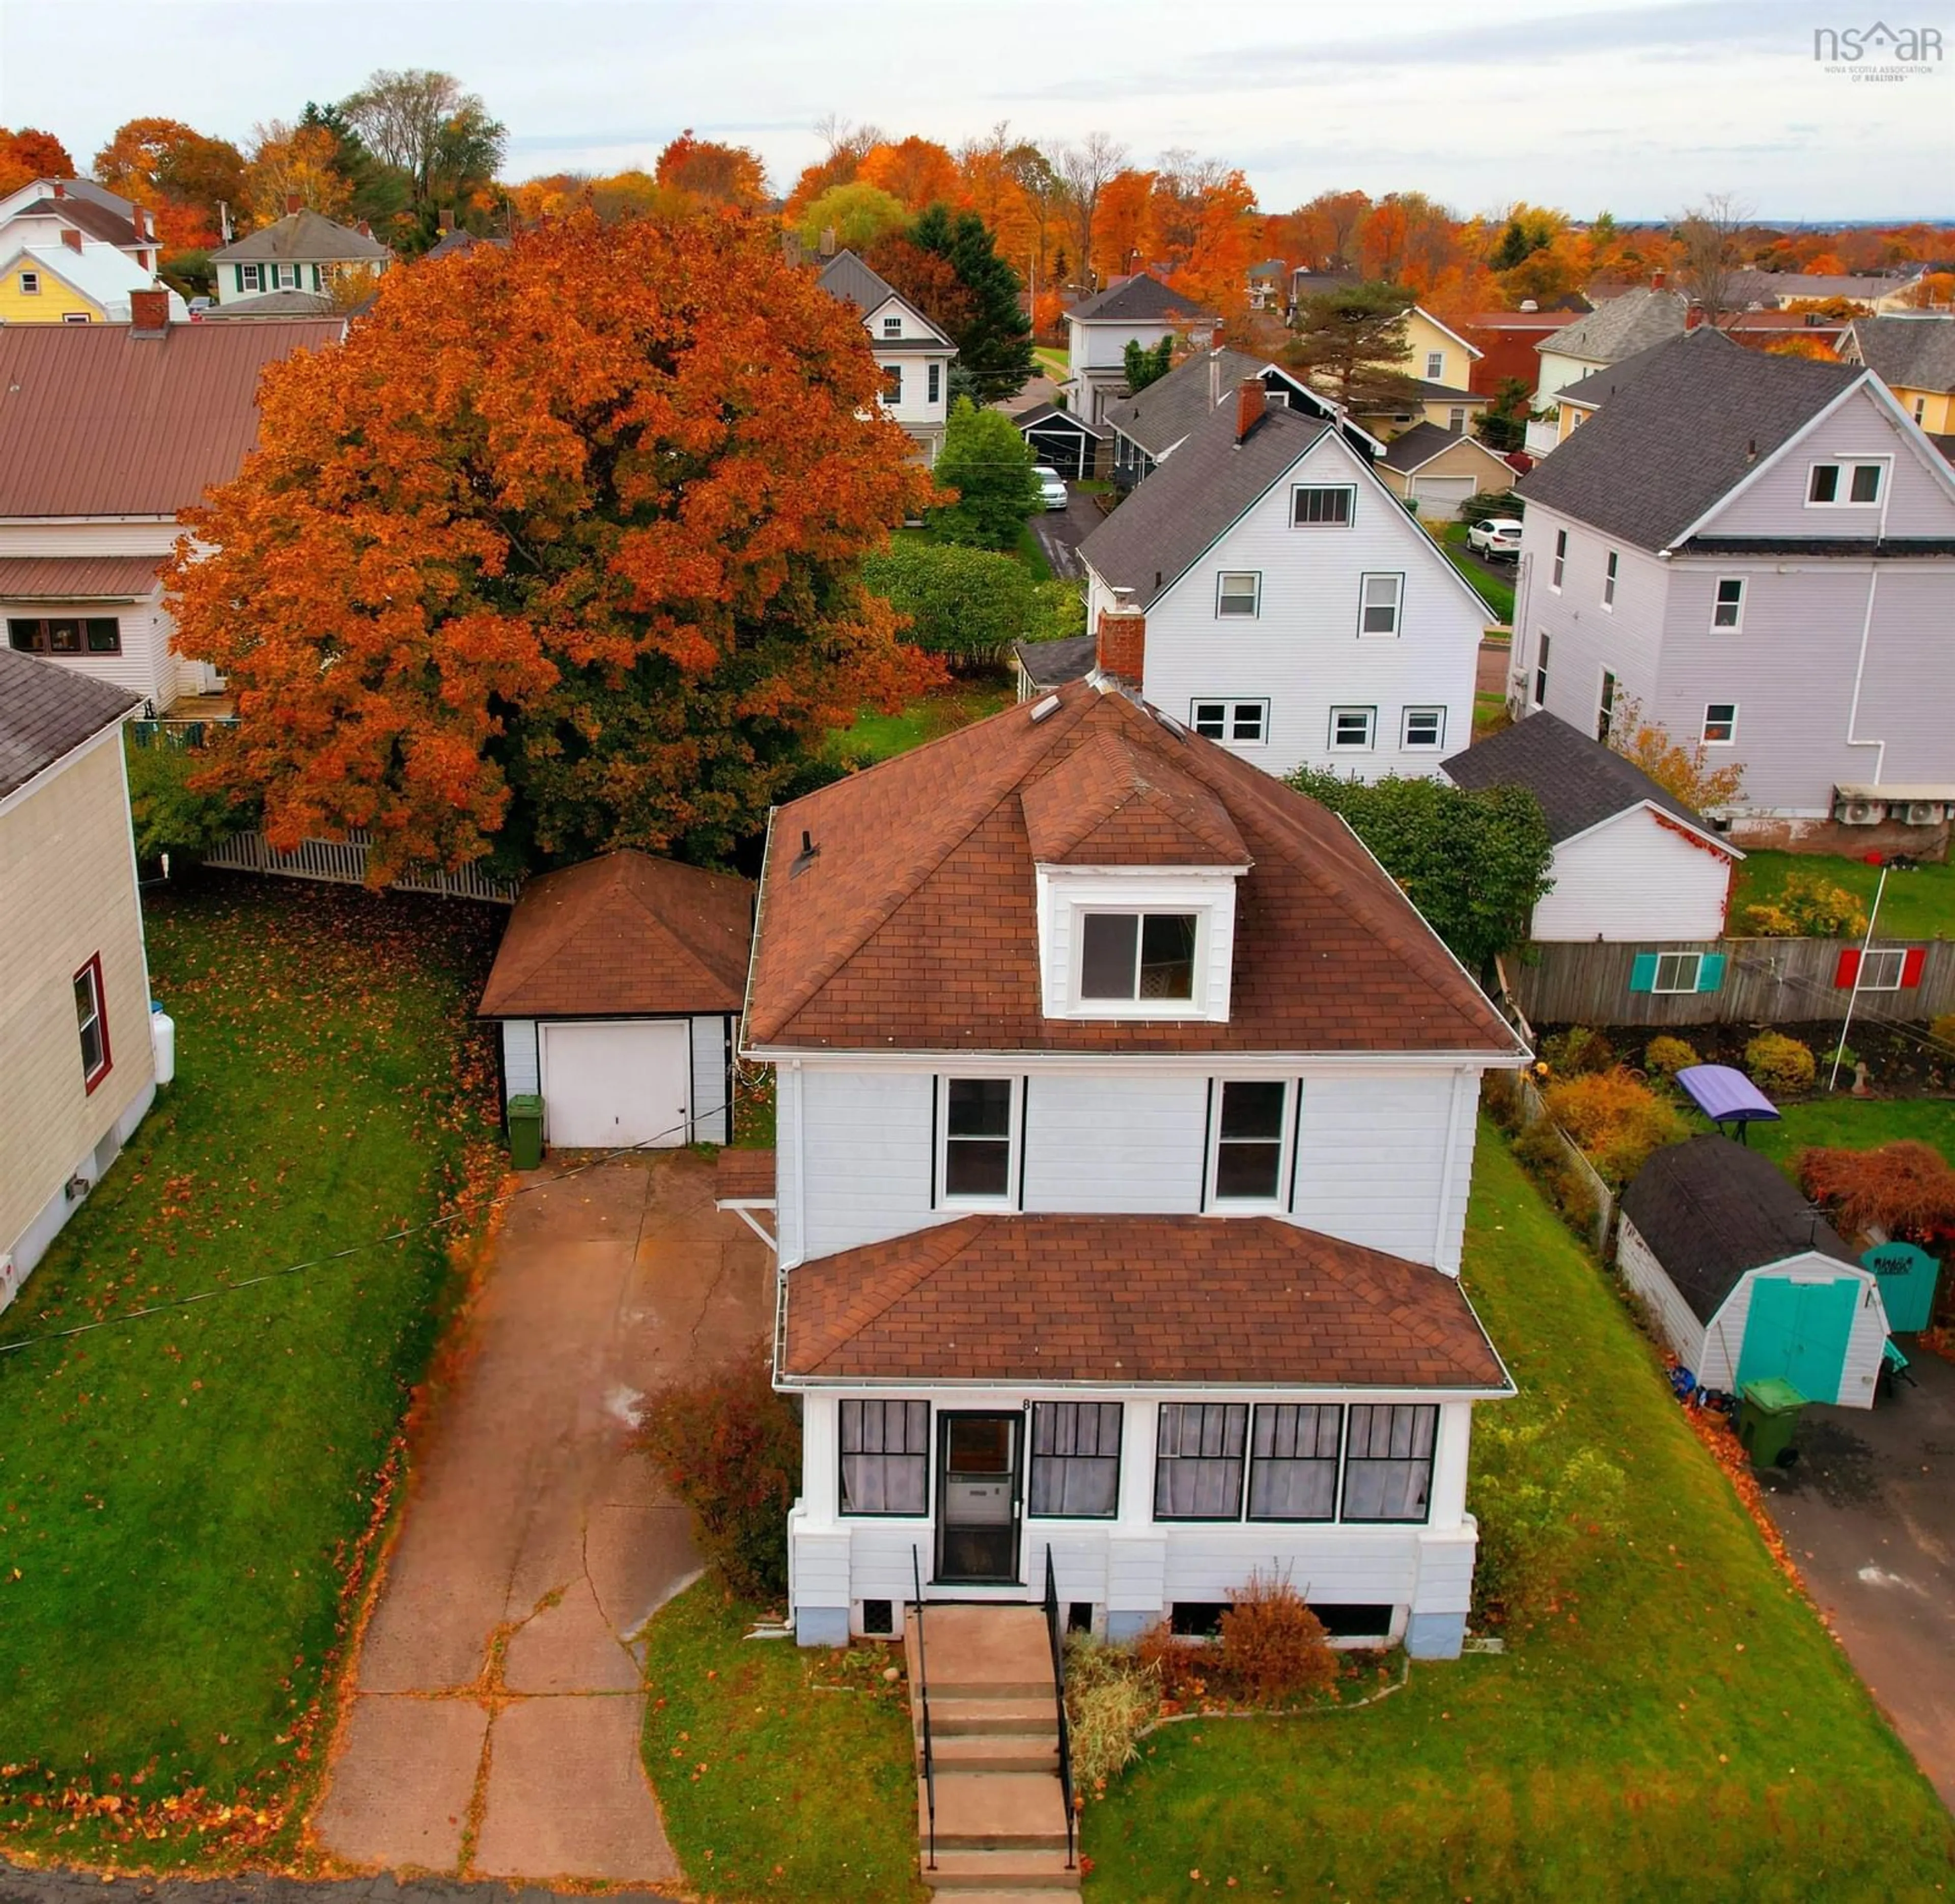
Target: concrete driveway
{"type": "Point", "coordinates": [492, 1728]}
{"type": "Point", "coordinates": [1869, 1515]}
{"type": "Point", "coordinates": [1061, 531]}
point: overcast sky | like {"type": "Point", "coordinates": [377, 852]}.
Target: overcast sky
{"type": "Point", "coordinates": [1637, 109]}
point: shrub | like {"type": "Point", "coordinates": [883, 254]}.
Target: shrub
{"type": "Point", "coordinates": [1181, 1668]}
{"type": "Point", "coordinates": [969, 603]}
{"type": "Point", "coordinates": [1539, 1509]}
{"type": "Point", "coordinates": [1617, 1120]}
{"type": "Point", "coordinates": [1111, 1697]}
{"type": "Point", "coordinates": [1807, 906]}
{"type": "Point", "coordinates": [1273, 1645]}
{"type": "Point", "coordinates": [1576, 1050]}
{"type": "Point", "coordinates": [987, 462]}
{"type": "Point", "coordinates": [1774, 1062]}
{"type": "Point", "coordinates": [1907, 1189]}
{"type": "Point", "coordinates": [169, 816]}
{"type": "Point", "coordinates": [1942, 1030]}
{"type": "Point", "coordinates": [729, 1447]}
{"type": "Point", "coordinates": [1667, 1056]}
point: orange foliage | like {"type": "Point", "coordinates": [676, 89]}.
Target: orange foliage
{"type": "Point", "coordinates": [1216, 273]}
{"type": "Point", "coordinates": [1907, 1189]}
{"type": "Point", "coordinates": [721, 175]}
{"type": "Point", "coordinates": [28, 155]}
{"type": "Point", "coordinates": [295, 161]}
{"type": "Point", "coordinates": [839, 167]}
{"type": "Point", "coordinates": [1123, 233]}
{"type": "Point", "coordinates": [177, 173]}
{"type": "Point", "coordinates": [1826, 265]}
{"type": "Point", "coordinates": [570, 525]}
{"type": "Point", "coordinates": [918, 172]}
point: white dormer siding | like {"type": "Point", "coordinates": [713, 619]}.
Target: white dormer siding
{"type": "Point", "coordinates": [1067, 894]}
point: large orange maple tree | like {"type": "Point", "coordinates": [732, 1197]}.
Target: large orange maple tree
{"type": "Point", "coordinates": [556, 553]}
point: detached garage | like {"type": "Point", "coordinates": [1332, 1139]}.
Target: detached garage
{"type": "Point", "coordinates": [1437, 469]}
{"type": "Point", "coordinates": [1062, 441]}
{"type": "Point", "coordinates": [1745, 1280]}
{"type": "Point", "coordinates": [618, 985]}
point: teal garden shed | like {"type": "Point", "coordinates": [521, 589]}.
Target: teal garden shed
{"type": "Point", "coordinates": [1746, 1281]}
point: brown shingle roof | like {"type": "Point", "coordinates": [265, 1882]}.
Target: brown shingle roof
{"type": "Point", "coordinates": [1105, 804]}
{"type": "Point", "coordinates": [97, 221]}
{"type": "Point", "coordinates": [77, 577]}
{"type": "Point", "coordinates": [743, 1177]}
{"type": "Point", "coordinates": [914, 927]}
{"type": "Point", "coordinates": [47, 711]}
{"type": "Point", "coordinates": [624, 936]}
{"type": "Point", "coordinates": [1181, 1300]}
{"type": "Point", "coordinates": [99, 420]}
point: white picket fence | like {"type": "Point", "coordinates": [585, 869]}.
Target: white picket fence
{"type": "Point", "coordinates": [343, 862]}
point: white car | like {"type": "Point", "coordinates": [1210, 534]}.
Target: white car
{"type": "Point", "coordinates": [1499, 535]}
{"type": "Point", "coordinates": [1051, 489]}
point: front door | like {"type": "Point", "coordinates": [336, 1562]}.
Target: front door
{"type": "Point", "coordinates": [977, 1499]}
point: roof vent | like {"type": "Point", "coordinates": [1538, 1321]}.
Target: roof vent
{"type": "Point", "coordinates": [810, 852]}
{"type": "Point", "coordinates": [1047, 707]}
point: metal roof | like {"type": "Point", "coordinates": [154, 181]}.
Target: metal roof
{"type": "Point", "coordinates": [100, 419]}
{"type": "Point", "coordinates": [77, 577]}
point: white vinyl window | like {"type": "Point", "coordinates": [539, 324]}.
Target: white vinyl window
{"type": "Point", "coordinates": [30, 284]}
{"type": "Point", "coordinates": [1381, 597]}
{"type": "Point", "coordinates": [1351, 729]}
{"type": "Point", "coordinates": [1147, 958]}
{"type": "Point", "coordinates": [1720, 723]}
{"type": "Point", "coordinates": [1456, 420]}
{"type": "Point", "coordinates": [1677, 971]}
{"type": "Point", "coordinates": [1318, 507]}
{"type": "Point", "coordinates": [1424, 728]}
{"type": "Point", "coordinates": [1610, 568]}
{"type": "Point", "coordinates": [1842, 485]}
{"type": "Point", "coordinates": [977, 1141]}
{"type": "Point", "coordinates": [885, 1457]}
{"type": "Point", "coordinates": [1435, 365]}
{"type": "Point", "coordinates": [1251, 1120]}
{"type": "Point", "coordinates": [1541, 671]}
{"type": "Point", "coordinates": [1243, 721]}
{"type": "Point", "coordinates": [1560, 568]}
{"type": "Point", "coordinates": [1238, 591]}
{"type": "Point", "coordinates": [1882, 970]}
{"type": "Point", "coordinates": [247, 277]}
{"type": "Point", "coordinates": [892, 327]}
{"type": "Point", "coordinates": [1728, 610]}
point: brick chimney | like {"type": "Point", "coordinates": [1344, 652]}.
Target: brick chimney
{"type": "Point", "coordinates": [71, 238]}
{"type": "Point", "coordinates": [444, 218]}
{"type": "Point", "coordinates": [1252, 400]}
{"type": "Point", "coordinates": [1693, 317]}
{"type": "Point", "coordinates": [1120, 643]}
{"type": "Point", "coordinates": [148, 313]}
{"type": "Point", "coordinates": [364, 228]}
{"type": "Point", "coordinates": [1658, 280]}
{"type": "Point", "coordinates": [293, 202]}
{"type": "Point", "coordinates": [60, 191]}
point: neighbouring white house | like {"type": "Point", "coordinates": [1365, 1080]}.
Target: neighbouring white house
{"type": "Point", "coordinates": [1269, 591]}
{"type": "Point", "coordinates": [113, 429]}
{"type": "Point", "coordinates": [617, 988]}
{"type": "Point", "coordinates": [75, 1045]}
{"type": "Point", "coordinates": [1616, 328]}
{"type": "Point", "coordinates": [1126, 1114]}
{"type": "Point", "coordinates": [1746, 1281]}
{"type": "Point", "coordinates": [1140, 310]}
{"type": "Point", "coordinates": [302, 251]}
{"type": "Point", "coordinates": [1632, 863]}
{"type": "Point", "coordinates": [915, 354]}
{"type": "Point", "coordinates": [49, 212]}
{"type": "Point", "coordinates": [1759, 552]}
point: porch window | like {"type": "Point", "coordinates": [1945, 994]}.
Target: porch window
{"type": "Point", "coordinates": [885, 1457]}
{"type": "Point", "coordinates": [977, 1138]}
{"type": "Point", "coordinates": [1075, 1460]}
{"type": "Point", "coordinates": [1249, 1141]}
{"type": "Point", "coordinates": [1388, 1461]}
{"type": "Point", "coordinates": [1293, 1461]}
{"type": "Point", "coordinates": [1198, 1457]}
{"type": "Point", "coordinates": [1145, 957]}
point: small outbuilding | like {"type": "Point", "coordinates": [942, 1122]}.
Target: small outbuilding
{"type": "Point", "coordinates": [1746, 1280]}
{"type": "Point", "coordinates": [1437, 471]}
{"type": "Point", "coordinates": [1063, 441]}
{"type": "Point", "coordinates": [618, 986]}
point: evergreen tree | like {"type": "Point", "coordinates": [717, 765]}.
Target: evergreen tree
{"type": "Point", "coordinates": [994, 343]}
{"type": "Point", "coordinates": [1351, 343]}
{"type": "Point", "coordinates": [1145, 364]}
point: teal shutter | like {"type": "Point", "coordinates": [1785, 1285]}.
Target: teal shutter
{"type": "Point", "coordinates": [1710, 972]}
{"type": "Point", "coordinates": [1642, 974]}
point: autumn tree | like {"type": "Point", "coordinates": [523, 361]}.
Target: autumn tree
{"type": "Point", "coordinates": [1350, 342]}
{"type": "Point", "coordinates": [927, 278]}
{"type": "Point", "coordinates": [299, 161]}
{"type": "Point", "coordinates": [1084, 170]}
{"type": "Point", "coordinates": [1215, 272]}
{"type": "Point", "coordinates": [29, 154]}
{"type": "Point", "coordinates": [177, 173]}
{"type": "Point", "coordinates": [1683, 769]}
{"type": "Point", "coordinates": [858, 213]}
{"type": "Point", "coordinates": [439, 141]}
{"type": "Point", "coordinates": [718, 174]}
{"type": "Point", "coordinates": [556, 553]}
{"type": "Point", "coordinates": [1040, 186]}
{"type": "Point", "coordinates": [1906, 1189]}
{"type": "Point", "coordinates": [1327, 228]}
{"type": "Point", "coordinates": [915, 171]}
{"type": "Point", "coordinates": [1123, 232]}
{"type": "Point", "coordinates": [1710, 253]}
{"type": "Point", "coordinates": [845, 144]}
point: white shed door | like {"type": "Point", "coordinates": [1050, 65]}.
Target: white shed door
{"type": "Point", "coordinates": [609, 1083]}
{"type": "Point", "coordinates": [1441, 495]}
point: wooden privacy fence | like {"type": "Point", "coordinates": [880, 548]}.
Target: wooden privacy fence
{"type": "Point", "coordinates": [343, 862]}
{"type": "Point", "coordinates": [1531, 1114]}
{"type": "Point", "coordinates": [1759, 981]}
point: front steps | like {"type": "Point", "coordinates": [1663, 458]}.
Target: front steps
{"type": "Point", "coordinates": [994, 1737]}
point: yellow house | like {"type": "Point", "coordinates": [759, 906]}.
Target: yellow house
{"type": "Point", "coordinates": [79, 1063]}
{"type": "Point", "coordinates": [74, 283]}
{"type": "Point", "coordinates": [1440, 362]}
{"type": "Point", "coordinates": [1914, 356]}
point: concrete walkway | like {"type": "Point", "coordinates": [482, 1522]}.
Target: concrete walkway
{"type": "Point", "coordinates": [493, 1729]}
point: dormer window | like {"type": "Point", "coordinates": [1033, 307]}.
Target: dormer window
{"type": "Point", "coordinates": [1146, 957]}
{"type": "Point", "coordinates": [892, 327]}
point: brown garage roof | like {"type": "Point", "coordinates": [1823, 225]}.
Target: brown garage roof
{"type": "Point", "coordinates": [103, 420]}
{"type": "Point", "coordinates": [913, 925]}
{"type": "Point", "coordinates": [1249, 1301]}
{"type": "Point", "coordinates": [625, 935]}
{"type": "Point", "coordinates": [77, 577]}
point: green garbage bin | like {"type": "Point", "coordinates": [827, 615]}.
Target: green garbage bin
{"type": "Point", "coordinates": [526, 1131]}
{"type": "Point", "coordinates": [1767, 1416]}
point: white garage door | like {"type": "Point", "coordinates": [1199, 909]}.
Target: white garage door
{"type": "Point", "coordinates": [612, 1082]}
{"type": "Point", "coordinates": [1441, 495]}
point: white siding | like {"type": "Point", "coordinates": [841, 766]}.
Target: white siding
{"type": "Point", "coordinates": [1725, 1338]}
{"type": "Point", "coordinates": [522, 1075]}
{"type": "Point", "coordinates": [1100, 1141]}
{"type": "Point", "coordinates": [1638, 1266]}
{"type": "Point", "coordinates": [710, 1111]}
{"type": "Point", "coordinates": [868, 1140]}
{"type": "Point", "coordinates": [1635, 878]}
{"type": "Point", "coordinates": [1063, 890]}
{"type": "Point", "coordinates": [1301, 652]}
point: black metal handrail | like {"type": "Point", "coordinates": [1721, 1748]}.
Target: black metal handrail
{"type": "Point", "coordinates": [923, 1701]}
{"type": "Point", "coordinates": [1059, 1699]}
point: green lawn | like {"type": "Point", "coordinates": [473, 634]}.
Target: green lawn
{"type": "Point", "coordinates": [1498, 595]}
{"type": "Point", "coordinates": [878, 736]}
{"type": "Point", "coordinates": [779, 1773]}
{"type": "Point", "coordinates": [180, 1497]}
{"type": "Point", "coordinates": [1056, 363]}
{"type": "Point", "coordinates": [1855, 1123]}
{"type": "Point", "coordinates": [1919, 903]}
{"type": "Point", "coordinates": [1680, 1717]}
{"type": "Point", "coordinates": [1032, 556]}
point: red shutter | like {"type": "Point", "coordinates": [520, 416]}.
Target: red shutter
{"type": "Point", "coordinates": [1847, 970]}
{"type": "Point", "coordinates": [1910, 967]}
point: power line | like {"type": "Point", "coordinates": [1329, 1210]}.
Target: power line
{"type": "Point", "coordinates": [352, 1249]}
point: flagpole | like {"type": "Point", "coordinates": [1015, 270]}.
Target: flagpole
{"type": "Point", "coordinates": [1859, 971]}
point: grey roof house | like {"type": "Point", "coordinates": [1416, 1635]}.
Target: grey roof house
{"type": "Point", "coordinates": [1617, 328]}
{"type": "Point", "coordinates": [1140, 310]}
{"type": "Point", "coordinates": [302, 251]}
{"type": "Point", "coordinates": [915, 353]}
{"type": "Point", "coordinates": [1759, 552]}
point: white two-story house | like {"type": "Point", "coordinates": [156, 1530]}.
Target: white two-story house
{"type": "Point", "coordinates": [1293, 610]}
{"type": "Point", "coordinates": [1139, 309]}
{"type": "Point", "coordinates": [1126, 1116]}
{"type": "Point", "coordinates": [1759, 552]}
{"type": "Point", "coordinates": [915, 355]}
